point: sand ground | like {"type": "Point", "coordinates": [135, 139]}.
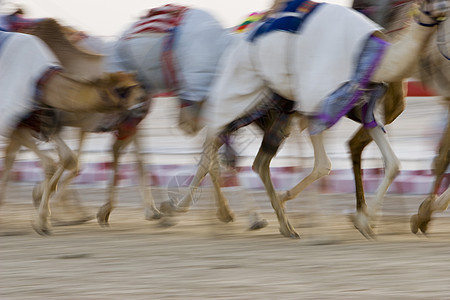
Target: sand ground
{"type": "Point", "coordinates": [201, 258]}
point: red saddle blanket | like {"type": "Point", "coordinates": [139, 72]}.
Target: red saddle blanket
{"type": "Point", "coordinates": [159, 20]}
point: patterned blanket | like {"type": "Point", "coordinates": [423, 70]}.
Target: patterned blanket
{"type": "Point", "coordinates": [289, 19]}
{"type": "Point", "coordinates": [182, 60]}
{"type": "Point", "coordinates": [158, 20]}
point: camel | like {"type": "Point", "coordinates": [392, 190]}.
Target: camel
{"type": "Point", "coordinates": [123, 124]}
{"type": "Point", "coordinates": [186, 70]}
{"type": "Point", "coordinates": [434, 68]}
{"type": "Point", "coordinates": [230, 95]}
{"type": "Point", "coordinates": [431, 69]}
{"type": "Point", "coordinates": [58, 90]}
{"type": "Point", "coordinates": [194, 90]}
{"type": "Point", "coordinates": [87, 64]}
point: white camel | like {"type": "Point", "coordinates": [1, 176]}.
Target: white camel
{"type": "Point", "coordinates": [28, 65]}
{"type": "Point", "coordinates": [253, 66]}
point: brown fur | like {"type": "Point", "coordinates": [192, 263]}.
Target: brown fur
{"type": "Point", "coordinates": [74, 59]}
{"type": "Point", "coordinates": [434, 70]}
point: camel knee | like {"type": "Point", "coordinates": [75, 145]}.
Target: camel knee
{"type": "Point", "coordinates": [261, 164]}
{"type": "Point", "coordinates": [392, 170]}
{"type": "Point", "coordinates": [70, 161]}
{"type": "Point", "coordinates": [322, 170]}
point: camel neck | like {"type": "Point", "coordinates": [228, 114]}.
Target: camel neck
{"type": "Point", "coordinates": [402, 56]}
{"type": "Point", "coordinates": [67, 93]}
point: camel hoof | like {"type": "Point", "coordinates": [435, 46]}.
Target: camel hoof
{"type": "Point", "coordinates": [414, 224]}
{"type": "Point", "coordinates": [41, 230]}
{"type": "Point", "coordinates": [417, 223]}
{"type": "Point", "coordinates": [424, 227]}
{"type": "Point", "coordinates": [225, 217]}
{"type": "Point", "coordinates": [292, 235]}
{"type": "Point", "coordinates": [361, 222]}
{"type": "Point", "coordinates": [103, 217]}
{"type": "Point", "coordinates": [259, 224]}
{"type": "Point", "coordinates": [153, 216]}
{"type": "Point", "coordinates": [289, 232]}
{"type": "Point", "coordinates": [167, 208]}
{"type": "Point", "coordinates": [152, 213]}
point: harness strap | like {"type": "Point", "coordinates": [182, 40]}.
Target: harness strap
{"type": "Point", "coordinates": [43, 80]}
{"type": "Point", "coordinates": [168, 61]}
{"type": "Point", "coordinates": [441, 42]}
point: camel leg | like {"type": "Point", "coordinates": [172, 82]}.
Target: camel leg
{"type": "Point", "coordinates": [42, 225]}
{"type": "Point", "coordinates": [391, 165]}
{"type": "Point", "coordinates": [151, 212]}
{"type": "Point", "coordinates": [261, 166]}
{"type": "Point", "coordinates": [224, 212]}
{"type": "Point", "coordinates": [394, 104]}
{"type": "Point", "coordinates": [322, 167]}
{"type": "Point", "coordinates": [68, 161]}
{"type": "Point", "coordinates": [106, 209]}
{"type": "Point", "coordinates": [10, 156]}
{"type": "Point", "coordinates": [209, 163]}
{"type": "Point", "coordinates": [67, 180]}
{"type": "Point", "coordinates": [276, 127]}
{"type": "Point", "coordinates": [357, 144]}
{"type": "Point", "coordinates": [24, 137]}
{"type": "Point", "coordinates": [443, 201]}
{"type": "Point", "coordinates": [364, 219]}
{"type": "Point", "coordinates": [167, 207]}
{"type": "Point", "coordinates": [431, 203]}
{"type": "Point", "coordinates": [63, 186]}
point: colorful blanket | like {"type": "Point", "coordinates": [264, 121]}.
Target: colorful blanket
{"type": "Point", "coordinates": [23, 61]}
{"type": "Point", "coordinates": [289, 19]}
{"type": "Point", "coordinates": [248, 22]}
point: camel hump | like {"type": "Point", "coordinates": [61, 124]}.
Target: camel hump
{"type": "Point", "coordinates": [74, 59]}
{"type": "Point", "coordinates": [55, 35]}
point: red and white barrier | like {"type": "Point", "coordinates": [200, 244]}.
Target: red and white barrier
{"type": "Point", "coordinates": [339, 181]}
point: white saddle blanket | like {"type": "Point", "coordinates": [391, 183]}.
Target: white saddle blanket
{"type": "Point", "coordinates": [23, 60]}
{"type": "Point", "coordinates": [305, 67]}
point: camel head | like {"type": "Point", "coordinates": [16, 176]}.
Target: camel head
{"type": "Point", "coordinates": [436, 9]}
{"type": "Point", "coordinates": [121, 90]}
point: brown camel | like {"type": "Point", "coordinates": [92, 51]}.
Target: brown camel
{"type": "Point", "coordinates": [123, 123]}
{"type": "Point", "coordinates": [433, 69]}
{"type": "Point", "coordinates": [62, 91]}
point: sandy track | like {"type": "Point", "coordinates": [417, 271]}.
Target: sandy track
{"type": "Point", "coordinates": [201, 258]}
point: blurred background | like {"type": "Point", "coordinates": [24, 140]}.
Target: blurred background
{"type": "Point", "coordinates": [170, 154]}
